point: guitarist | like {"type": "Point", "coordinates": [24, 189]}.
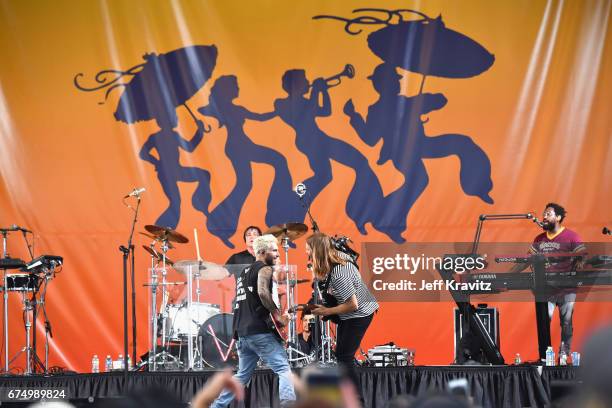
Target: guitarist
{"type": "Point", "coordinates": [355, 305]}
{"type": "Point", "coordinates": [256, 339]}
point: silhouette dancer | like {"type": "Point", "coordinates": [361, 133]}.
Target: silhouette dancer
{"type": "Point", "coordinates": [282, 205]}
{"type": "Point", "coordinates": [365, 201]}
{"type": "Point", "coordinates": [397, 120]}
{"type": "Point", "coordinates": [167, 143]}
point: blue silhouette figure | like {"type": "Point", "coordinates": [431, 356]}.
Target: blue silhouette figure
{"type": "Point", "coordinates": [406, 145]}
{"type": "Point", "coordinates": [425, 46]}
{"type": "Point", "coordinates": [282, 205]}
{"type": "Point", "coordinates": [155, 89]}
{"type": "Point", "coordinates": [365, 200]}
{"type": "Point", "coordinates": [167, 143]}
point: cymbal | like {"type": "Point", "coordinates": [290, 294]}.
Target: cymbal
{"type": "Point", "coordinates": [166, 233]}
{"type": "Point", "coordinates": [291, 230]}
{"type": "Point", "coordinates": [205, 270]}
{"type": "Point", "coordinates": [154, 238]}
{"type": "Point", "coordinates": [157, 255]}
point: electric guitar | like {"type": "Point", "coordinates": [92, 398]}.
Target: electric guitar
{"type": "Point", "coordinates": [277, 327]}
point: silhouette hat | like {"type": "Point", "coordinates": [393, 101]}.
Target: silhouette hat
{"type": "Point", "coordinates": [385, 71]}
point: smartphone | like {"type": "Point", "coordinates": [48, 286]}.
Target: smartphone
{"type": "Point", "coordinates": [324, 384]}
{"type": "Point", "coordinates": [459, 387]}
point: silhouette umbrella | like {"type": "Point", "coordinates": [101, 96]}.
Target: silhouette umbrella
{"type": "Point", "coordinates": [165, 82]}
{"type": "Point", "coordinates": [424, 46]}
{"type": "Point", "coordinates": [427, 47]}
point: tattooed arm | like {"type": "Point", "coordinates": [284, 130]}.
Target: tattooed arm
{"type": "Point", "coordinates": [264, 283]}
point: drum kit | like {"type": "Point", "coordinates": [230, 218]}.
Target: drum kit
{"type": "Point", "coordinates": [195, 335]}
{"type": "Point", "coordinates": [30, 282]}
{"type": "Point", "coordinates": [192, 324]}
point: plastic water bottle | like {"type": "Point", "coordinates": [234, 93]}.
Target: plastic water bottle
{"type": "Point", "coordinates": [129, 361]}
{"type": "Point", "coordinates": [562, 355]}
{"type": "Point", "coordinates": [575, 358]}
{"type": "Point", "coordinates": [95, 364]}
{"type": "Point", "coordinates": [108, 364]}
{"type": "Point", "coordinates": [550, 357]}
{"type": "Point", "coordinates": [121, 362]}
{"type": "Point", "coordinates": [517, 359]}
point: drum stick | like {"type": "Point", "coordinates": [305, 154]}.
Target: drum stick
{"type": "Point", "coordinates": [195, 237]}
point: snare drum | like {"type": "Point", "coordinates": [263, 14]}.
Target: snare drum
{"type": "Point", "coordinates": [181, 320]}
{"type": "Point", "coordinates": [21, 282]}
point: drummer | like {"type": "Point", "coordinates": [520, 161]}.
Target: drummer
{"type": "Point", "coordinates": [246, 257]}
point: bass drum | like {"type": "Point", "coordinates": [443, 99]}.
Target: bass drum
{"type": "Point", "coordinates": [217, 345]}
{"type": "Point", "coordinates": [182, 320]}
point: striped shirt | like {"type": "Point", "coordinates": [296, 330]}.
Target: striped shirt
{"type": "Point", "coordinates": [345, 282]}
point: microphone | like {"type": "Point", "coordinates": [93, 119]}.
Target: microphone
{"type": "Point", "coordinates": [533, 218]}
{"type": "Point", "coordinates": [15, 227]}
{"type": "Point", "coordinates": [136, 192]}
{"type": "Point", "coordinates": [606, 231]}
{"type": "Point", "coordinates": [300, 189]}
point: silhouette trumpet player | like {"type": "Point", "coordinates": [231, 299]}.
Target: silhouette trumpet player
{"type": "Point", "coordinates": [299, 109]}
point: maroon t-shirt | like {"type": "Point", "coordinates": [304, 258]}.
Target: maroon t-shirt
{"type": "Point", "coordinates": [566, 241]}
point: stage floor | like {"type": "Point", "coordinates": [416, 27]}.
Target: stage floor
{"type": "Point", "coordinates": [491, 386]}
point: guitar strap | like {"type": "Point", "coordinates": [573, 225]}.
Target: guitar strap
{"type": "Point", "coordinates": [324, 285]}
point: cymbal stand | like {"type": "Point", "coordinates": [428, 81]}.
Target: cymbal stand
{"type": "Point", "coordinates": [163, 356]}
{"type": "Point", "coordinates": [27, 308]}
{"type": "Point", "coordinates": [197, 356]}
{"type": "Point", "coordinates": [292, 339]}
{"type": "Point", "coordinates": [189, 309]}
{"type": "Point", "coordinates": [164, 303]}
{"type": "Point", "coordinates": [164, 309]}
{"type": "Point", "coordinates": [154, 285]}
{"type": "Point", "coordinates": [5, 308]}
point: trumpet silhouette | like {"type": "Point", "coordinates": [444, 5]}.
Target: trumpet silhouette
{"type": "Point", "coordinates": [348, 71]}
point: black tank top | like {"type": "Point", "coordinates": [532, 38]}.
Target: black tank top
{"type": "Point", "coordinates": [249, 312]}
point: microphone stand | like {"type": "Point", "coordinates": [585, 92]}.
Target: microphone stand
{"type": "Point", "coordinates": [488, 217]}
{"type": "Point", "coordinates": [306, 205]}
{"type": "Point", "coordinates": [128, 252]}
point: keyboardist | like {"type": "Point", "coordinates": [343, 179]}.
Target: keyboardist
{"type": "Point", "coordinates": [557, 238]}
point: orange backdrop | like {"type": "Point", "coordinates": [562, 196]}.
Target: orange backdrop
{"type": "Point", "coordinates": [541, 113]}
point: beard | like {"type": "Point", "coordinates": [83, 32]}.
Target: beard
{"type": "Point", "coordinates": [548, 226]}
{"type": "Point", "coordinates": [270, 259]}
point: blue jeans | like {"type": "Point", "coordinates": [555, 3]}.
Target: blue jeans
{"type": "Point", "coordinates": [565, 303]}
{"type": "Point", "coordinates": [267, 347]}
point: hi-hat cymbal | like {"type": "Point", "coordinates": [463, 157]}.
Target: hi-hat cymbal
{"type": "Point", "coordinates": [157, 255]}
{"type": "Point", "coordinates": [154, 238]}
{"type": "Point", "coordinates": [291, 230]}
{"type": "Point", "coordinates": [203, 270]}
{"type": "Point", "coordinates": [166, 233]}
